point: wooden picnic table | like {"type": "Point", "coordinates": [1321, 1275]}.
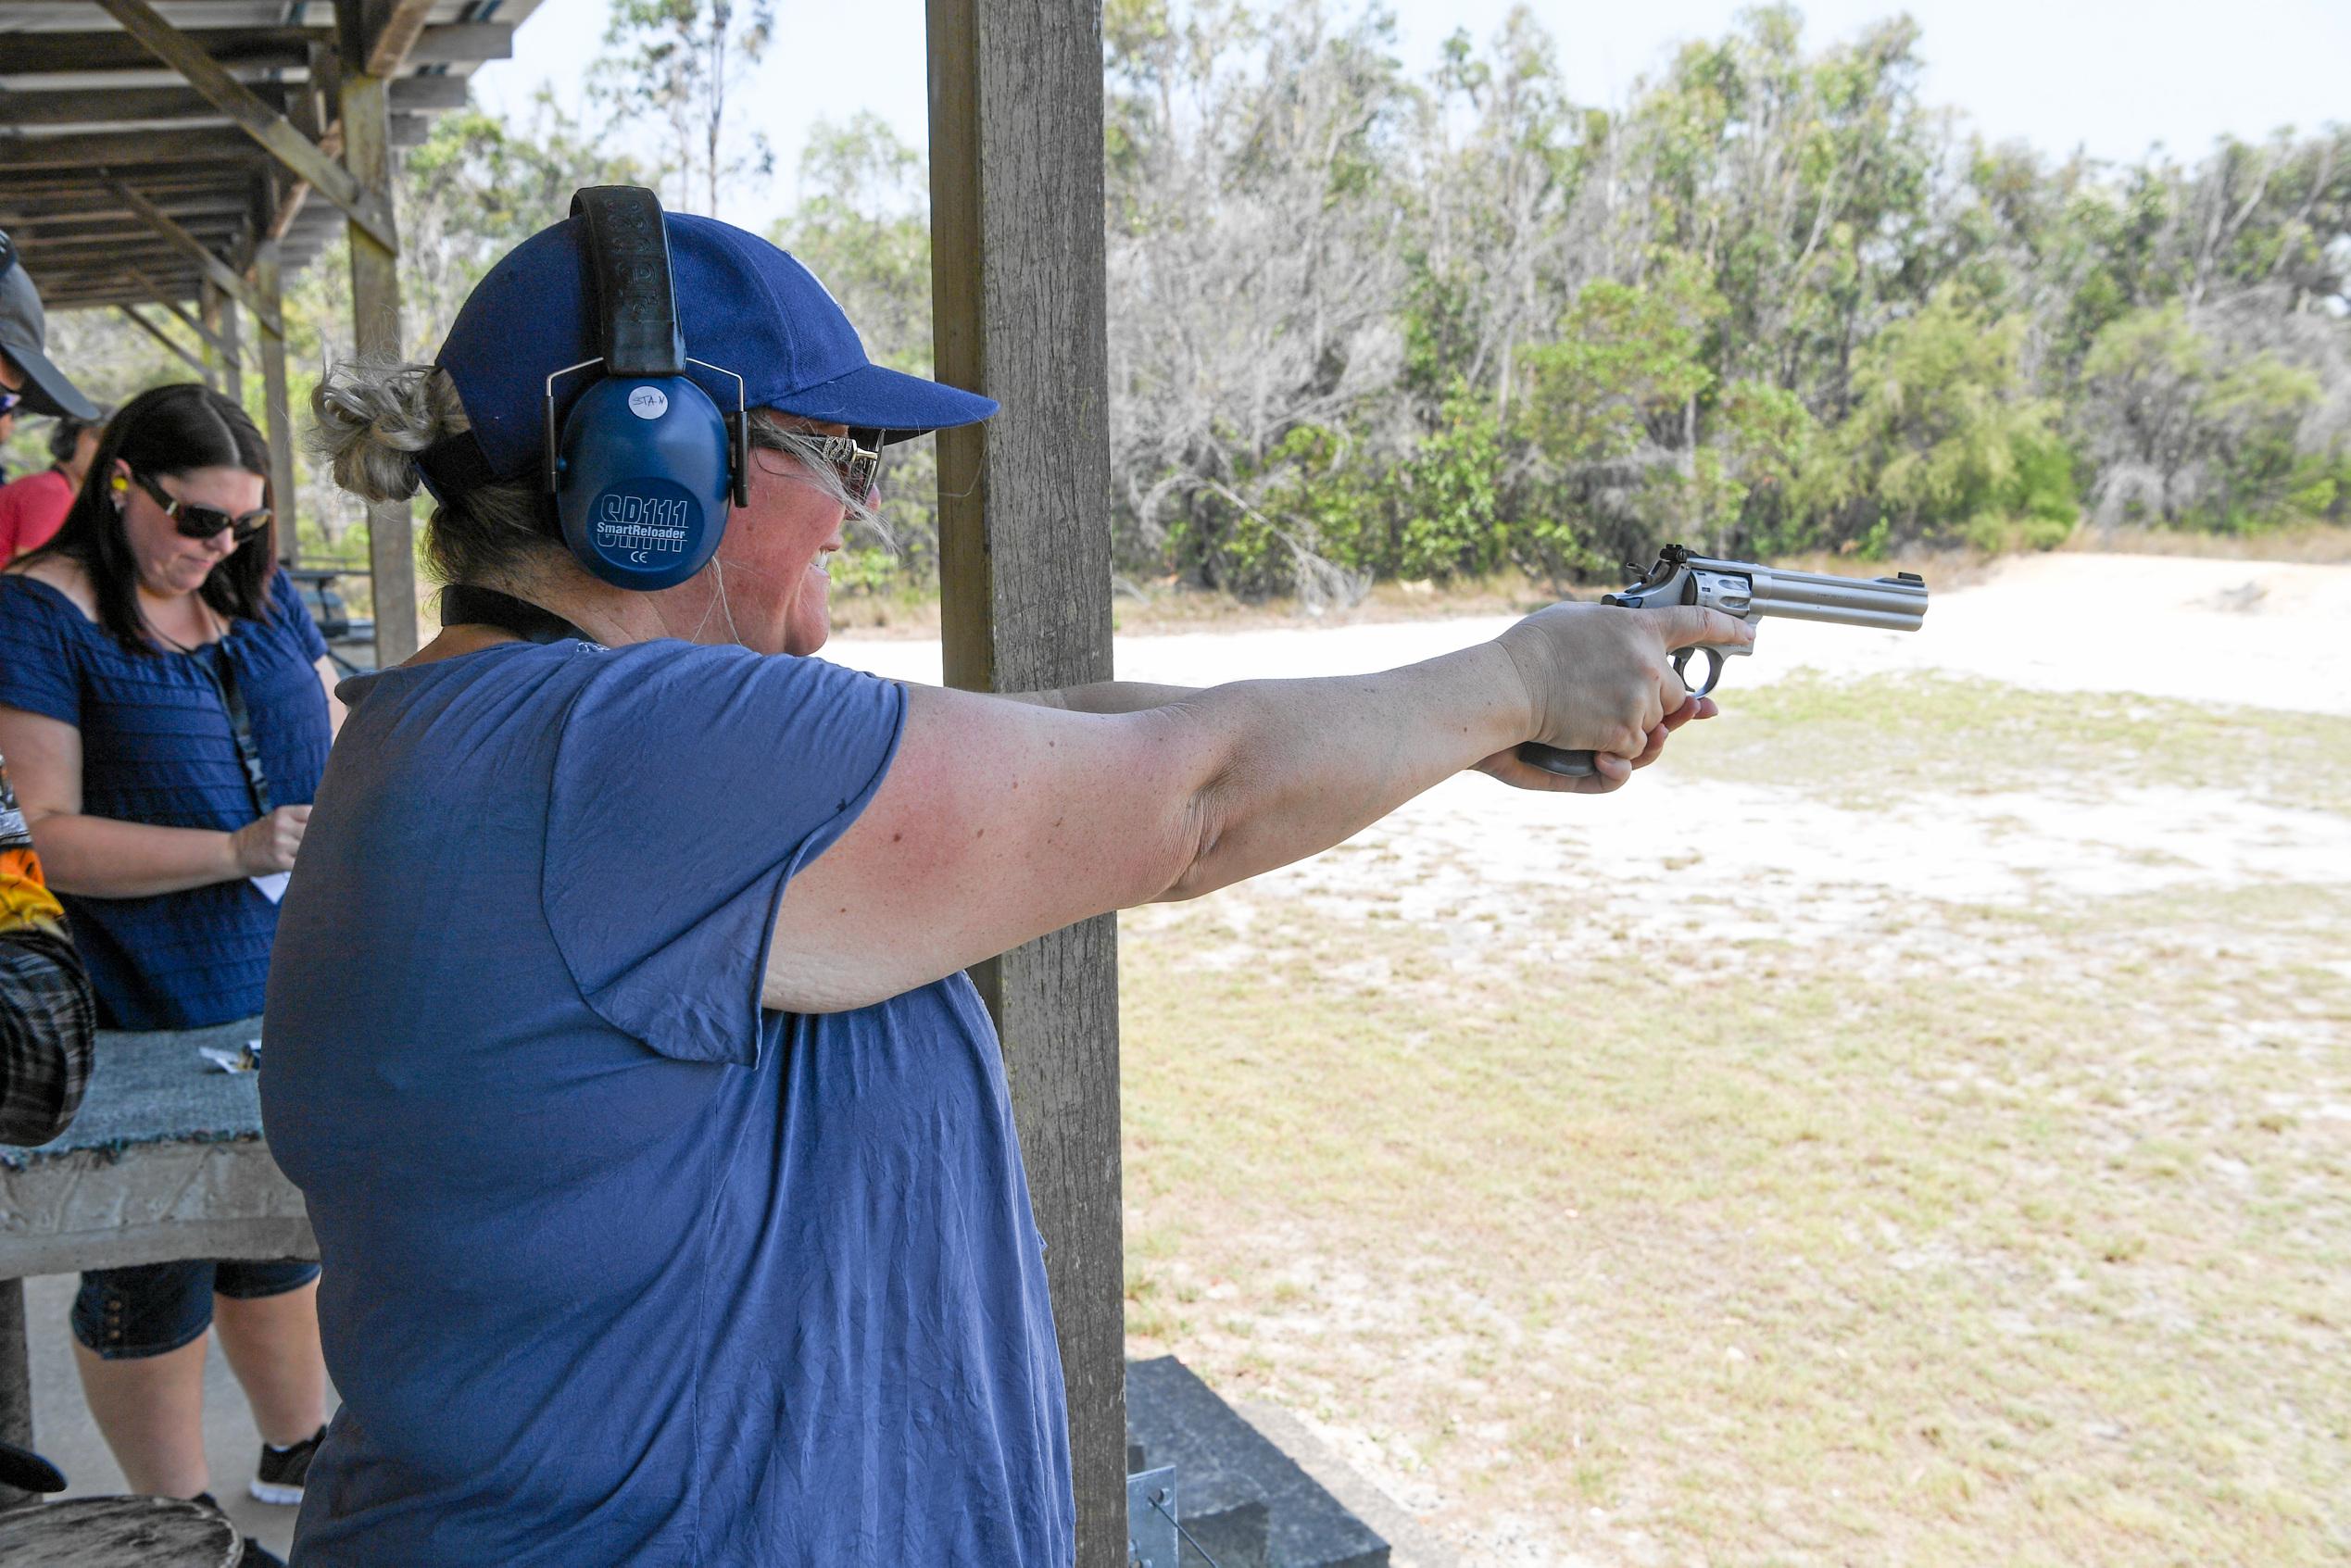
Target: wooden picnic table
{"type": "Point", "coordinates": [164, 1162]}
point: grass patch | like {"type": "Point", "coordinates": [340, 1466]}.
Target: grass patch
{"type": "Point", "coordinates": [1860, 742]}
{"type": "Point", "coordinates": [2049, 1263]}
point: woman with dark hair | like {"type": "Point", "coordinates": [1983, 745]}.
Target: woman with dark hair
{"type": "Point", "coordinates": [164, 711]}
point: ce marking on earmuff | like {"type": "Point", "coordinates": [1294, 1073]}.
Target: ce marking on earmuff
{"type": "Point", "coordinates": [640, 557]}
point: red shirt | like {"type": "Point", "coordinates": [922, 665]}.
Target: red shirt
{"type": "Point", "coordinates": [32, 509]}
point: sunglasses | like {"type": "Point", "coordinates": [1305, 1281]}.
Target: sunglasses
{"type": "Point", "coordinates": [859, 468]}
{"type": "Point", "coordinates": [203, 522]}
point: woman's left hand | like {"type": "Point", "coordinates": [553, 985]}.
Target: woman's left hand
{"type": "Point", "coordinates": [1612, 770]}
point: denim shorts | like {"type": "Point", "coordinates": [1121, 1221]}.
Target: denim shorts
{"type": "Point", "coordinates": [123, 1314]}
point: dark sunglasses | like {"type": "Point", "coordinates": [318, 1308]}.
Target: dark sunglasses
{"type": "Point", "coordinates": [859, 468]}
{"type": "Point", "coordinates": [203, 522]}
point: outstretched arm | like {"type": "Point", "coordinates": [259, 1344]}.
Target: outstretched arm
{"type": "Point", "coordinates": [1106, 697]}
{"type": "Point", "coordinates": [1001, 820]}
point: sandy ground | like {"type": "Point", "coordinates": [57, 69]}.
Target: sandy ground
{"type": "Point", "coordinates": [2210, 631]}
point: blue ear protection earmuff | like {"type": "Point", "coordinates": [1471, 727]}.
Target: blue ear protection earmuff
{"type": "Point", "coordinates": [645, 465]}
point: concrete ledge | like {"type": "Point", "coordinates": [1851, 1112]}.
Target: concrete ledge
{"type": "Point", "coordinates": [150, 1203]}
{"type": "Point", "coordinates": [1233, 1484]}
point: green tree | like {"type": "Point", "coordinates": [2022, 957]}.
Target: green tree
{"type": "Point", "coordinates": [1945, 440]}
{"type": "Point", "coordinates": [1611, 409]}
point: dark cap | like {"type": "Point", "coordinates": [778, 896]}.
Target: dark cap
{"type": "Point", "coordinates": [23, 335]}
{"type": "Point", "coordinates": [742, 303]}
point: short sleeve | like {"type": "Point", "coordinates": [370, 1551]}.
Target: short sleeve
{"type": "Point", "coordinates": [11, 520]}
{"type": "Point", "coordinates": [690, 783]}
{"type": "Point", "coordinates": [290, 603]}
{"type": "Point", "coordinates": [38, 671]}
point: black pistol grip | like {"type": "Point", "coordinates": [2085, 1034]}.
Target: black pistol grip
{"type": "Point", "coordinates": [1552, 759]}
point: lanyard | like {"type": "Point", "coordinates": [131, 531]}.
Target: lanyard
{"type": "Point", "coordinates": [223, 671]}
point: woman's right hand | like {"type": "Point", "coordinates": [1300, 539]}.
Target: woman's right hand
{"type": "Point", "coordinates": [1601, 679]}
{"type": "Point", "coordinates": [268, 845]}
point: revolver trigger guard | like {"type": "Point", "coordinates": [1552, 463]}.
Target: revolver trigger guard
{"type": "Point", "coordinates": [1713, 670]}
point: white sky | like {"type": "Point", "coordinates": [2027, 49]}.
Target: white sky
{"type": "Point", "coordinates": [2110, 77]}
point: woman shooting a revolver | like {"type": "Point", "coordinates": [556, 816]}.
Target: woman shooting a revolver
{"type": "Point", "coordinates": [659, 1150]}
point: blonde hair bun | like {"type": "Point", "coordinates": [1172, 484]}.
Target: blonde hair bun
{"type": "Point", "coordinates": [375, 416]}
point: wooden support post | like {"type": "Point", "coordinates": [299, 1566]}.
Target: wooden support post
{"type": "Point", "coordinates": [375, 310]}
{"type": "Point", "coordinates": [207, 330]}
{"type": "Point", "coordinates": [233, 340]}
{"type": "Point", "coordinates": [218, 329]}
{"type": "Point", "coordinates": [195, 362]}
{"type": "Point", "coordinates": [1018, 289]}
{"type": "Point", "coordinates": [277, 417]}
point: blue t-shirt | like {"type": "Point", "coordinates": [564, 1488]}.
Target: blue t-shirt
{"type": "Point", "coordinates": [157, 747]}
{"type": "Point", "coordinates": [621, 1268]}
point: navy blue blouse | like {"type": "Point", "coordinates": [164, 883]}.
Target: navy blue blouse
{"type": "Point", "coordinates": [157, 747]}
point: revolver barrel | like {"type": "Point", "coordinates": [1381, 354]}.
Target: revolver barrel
{"type": "Point", "coordinates": [1896, 604]}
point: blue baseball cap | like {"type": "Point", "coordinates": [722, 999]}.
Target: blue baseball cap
{"type": "Point", "coordinates": [743, 304]}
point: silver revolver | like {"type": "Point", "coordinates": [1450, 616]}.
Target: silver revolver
{"type": "Point", "coordinates": [1750, 592]}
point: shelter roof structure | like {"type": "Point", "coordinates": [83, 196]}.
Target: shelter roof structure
{"type": "Point", "coordinates": [113, 156]}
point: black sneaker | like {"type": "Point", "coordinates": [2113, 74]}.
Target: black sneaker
{"type": "Point", "coordinates": [278, 1476]}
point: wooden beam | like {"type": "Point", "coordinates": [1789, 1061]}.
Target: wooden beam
{"type": "Point", "coordinates": [277, 416]}
{"type": "Point", "coordinates": [107, 219]}
{"type": "Point", "coordinates": [102, 276]}
{"type": "Point", "coordinates": [392, 29]}
{"type": "Point", "coordinates": [98, 299]}
{"type": "Point", "coordinates": [163, 296]}
{"type": "Point", "coordinates": [131, 241]}
{"type": "Point", "coordinates": [320, 113]}
{"type": "Point", "coordinates": [94, 283]}
{"type": "Point", "coordinates": [369, 207]}
{"type": "Point", "coordinates": [245, 48]}
{"type": "Point", "coordinates": [91, 210]}
{"type": "Point", "coordinates": [127, 149]}
{"type": "Point", "coordinates": [179, 181]}
{"type": "Point", "coordinates": [100, 106]}
{"type": "Point", "coordinates": [210, 265]}
{"type": "Point", "coordinates": [1016, 263]}
{"type": "Point", "coordinates": [375, 311]}
{"type": "Point", "coordinates": [195, 361]}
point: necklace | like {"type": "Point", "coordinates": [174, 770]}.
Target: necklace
{"type": "Point", "coordinates": [210, 619]}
